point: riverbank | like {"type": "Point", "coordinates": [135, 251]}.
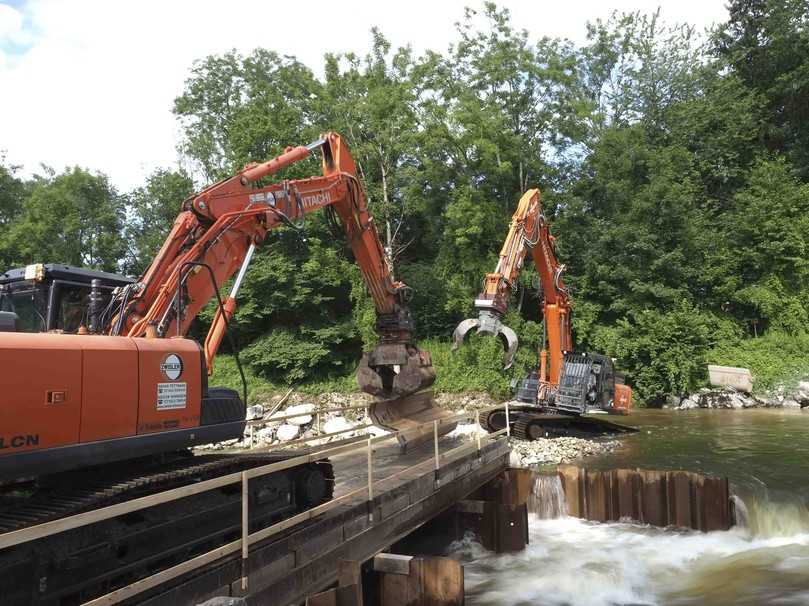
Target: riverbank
{"type": "Point", "coordinates": [796, 398]}
{"type": "Point", "coordinates": [272, 430]}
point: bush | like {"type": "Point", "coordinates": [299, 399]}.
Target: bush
{"type": "Point", "coordinates": [292, 355]}
{"type": "Point", "coordinates": [226, 374]}
{"type": "Point", "coordinates": [663, 353]}
{"type": "Point", "coordinates": [777, 358]}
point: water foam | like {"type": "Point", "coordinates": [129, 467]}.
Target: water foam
{"type": "Point", "coordinates": [574, 562]}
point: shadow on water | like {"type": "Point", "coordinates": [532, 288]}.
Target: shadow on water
{"type": "Point", "coordinates": [574, 562]}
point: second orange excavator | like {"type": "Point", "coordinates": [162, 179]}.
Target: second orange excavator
{"type": "Point", "coordinates": [568, 383]}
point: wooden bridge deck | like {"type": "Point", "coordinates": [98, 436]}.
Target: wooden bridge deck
{"type": "Point", "coordinates": [304, 559]}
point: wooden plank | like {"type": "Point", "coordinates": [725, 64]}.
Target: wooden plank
{"type": "Point", "coordinates": [470, 506]}
{"type": "Point", "coordinates": [346, 595]}
{"type": "Point", "coordinates": [572, 484]}
{"type": "Point", "coordinates": [433, 581]}
{"type": "Point", "coordinates": [349, 579]}
{"type": "Point", "coordinates": [392, 563]}
{"type": "Point", "coordinates": [326, 598]}
{"type": "Point", "coordinates": [680, 499]}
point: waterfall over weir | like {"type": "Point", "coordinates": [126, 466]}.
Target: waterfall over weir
{"type": "Point", "coordinates": [547, 500]}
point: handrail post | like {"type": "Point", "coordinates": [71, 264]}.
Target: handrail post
{"type": "Point", "coordinates": [252, 432]}
{"type": "Point", "coordinates": [477, 431]}
{"type": "Point", "coordinates": [245, 528]}
{"type": "Point", "coordinates": [508, 424]}
{"type": "Point", "coordinates": [317, 422]}
{"type": "Point", "coordinates": [370, 481]}
{"type": "Point", "coordinates": [437, 456]}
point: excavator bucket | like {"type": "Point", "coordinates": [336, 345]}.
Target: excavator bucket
{"type": "Point", "coordinates": [488, 323]}
{"type": "Point", "coordinates": [399, 375]}
{"type": "Point", "coordinates": [413, 416]}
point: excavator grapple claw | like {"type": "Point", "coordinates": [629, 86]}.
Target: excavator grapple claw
{"type": "Point", "coordinates": [488, 323]}
{"type": "Point", "coordinates": [399, 374]}
{"type": "Point", "coordinates": [462, 330]}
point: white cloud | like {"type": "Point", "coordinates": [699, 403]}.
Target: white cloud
{"type": "Point", "coordinates": [10, 21]}
{"type": "Point", "coordinates": [95, 82]}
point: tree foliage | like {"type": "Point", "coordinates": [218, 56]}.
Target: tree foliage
{"type": "Point", "coordinates": [674, 167]}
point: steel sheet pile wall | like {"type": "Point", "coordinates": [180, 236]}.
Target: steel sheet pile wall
{"type": "Point", "coordinates": [660, 498]}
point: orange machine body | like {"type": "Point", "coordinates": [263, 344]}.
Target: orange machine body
{"type": "Point", "coordinates": [93, 397]}
{"type": "Point", "coordinates": [134, 386]}
{"type": "Point", "coordinates": [622, 402]}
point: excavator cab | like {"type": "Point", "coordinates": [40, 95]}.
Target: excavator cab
{"type": "Point", "coordinates": [588, 383]}
{"type": "Point", "coordinates": [53, 297]}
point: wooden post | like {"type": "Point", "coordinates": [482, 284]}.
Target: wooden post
{"type": "Point", "coordinates": [419, 581]}
{"type": "Point", "coordinates": [498, 512]}
{"type": "Point", "coordinates": [349, 576]}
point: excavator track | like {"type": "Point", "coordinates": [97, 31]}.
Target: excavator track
{"type": "Point", "coordinates": [528, 427]}
{"type": "Point", "coordinates": [77, 565]}
{"type": "Point", "coordinates": [535, 425]}
{"type": "Point", "coordinates": [495, 420]}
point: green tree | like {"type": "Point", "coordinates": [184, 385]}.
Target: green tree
{"type": "Point", "coordinates": [152, 210]}
{"type": "Point", "coordinates": [12, 196]}
{"type": "Point", "coordinates": [767, 44]}
{"type": "Point", "coordinates": [237, 109]}
{"type": "Point", "coordinates": [769, 231]}
{"type": "Point", "coordinates": [75, 217]}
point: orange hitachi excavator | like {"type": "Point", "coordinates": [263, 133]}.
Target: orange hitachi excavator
{"type": "Point", "coordinates": [102, 393]}
{"type": "Point", "coordinates": [568, 384]}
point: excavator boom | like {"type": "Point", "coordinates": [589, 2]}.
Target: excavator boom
{"type": "Point", "coordinates": [529, 231]}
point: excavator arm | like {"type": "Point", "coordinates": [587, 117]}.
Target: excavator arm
{"type": "Point", "coordinates": [529, 231]}
{"type": "Point", "coordinates": [216, 234]}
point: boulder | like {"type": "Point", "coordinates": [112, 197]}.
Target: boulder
{"type": "Point", "coordinates": [789, 403]}
{"type": "Point", "coordinates": [306, 411]}
{"type": "Point", "coordinates": [287, 432]}
{"type": "Point", "coordinates": [265, 434]}
{"type": "Point", "coordinates": [802, 393]}
{"type": "Point", "coordinates": [336, 423]}
{"type": "Point", "coordinates": [255, 412]}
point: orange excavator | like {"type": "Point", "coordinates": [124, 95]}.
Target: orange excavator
{"type": "Point", "coordinates": [568, 384]}
{"type": "Point", "coordinates": [102, 392]}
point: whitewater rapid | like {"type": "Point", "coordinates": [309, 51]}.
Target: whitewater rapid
{"type": "Point", "coordinates": [578, 563]}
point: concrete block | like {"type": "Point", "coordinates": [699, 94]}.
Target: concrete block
{"type": "Point", "coordinates": [730, 376]}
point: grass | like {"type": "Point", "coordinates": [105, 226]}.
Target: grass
{"type": "Point", "coordinates": [226, 374]}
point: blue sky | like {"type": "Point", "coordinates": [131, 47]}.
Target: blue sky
{"type": "Point", "coordinates": [91, 82]}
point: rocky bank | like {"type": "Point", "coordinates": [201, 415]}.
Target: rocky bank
{"type": "Point", "coordinates": [796, 398]}
{"type": "Point", "coordinates": [269, 429]}
{"type": "Point", "coordinates": [554, 451]}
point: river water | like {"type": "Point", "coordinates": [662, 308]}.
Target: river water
{"type": "Point", "coordinates": [764, 453]}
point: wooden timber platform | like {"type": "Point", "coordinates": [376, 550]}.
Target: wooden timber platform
{"type": "Point", "coordinates": [409, 490]}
